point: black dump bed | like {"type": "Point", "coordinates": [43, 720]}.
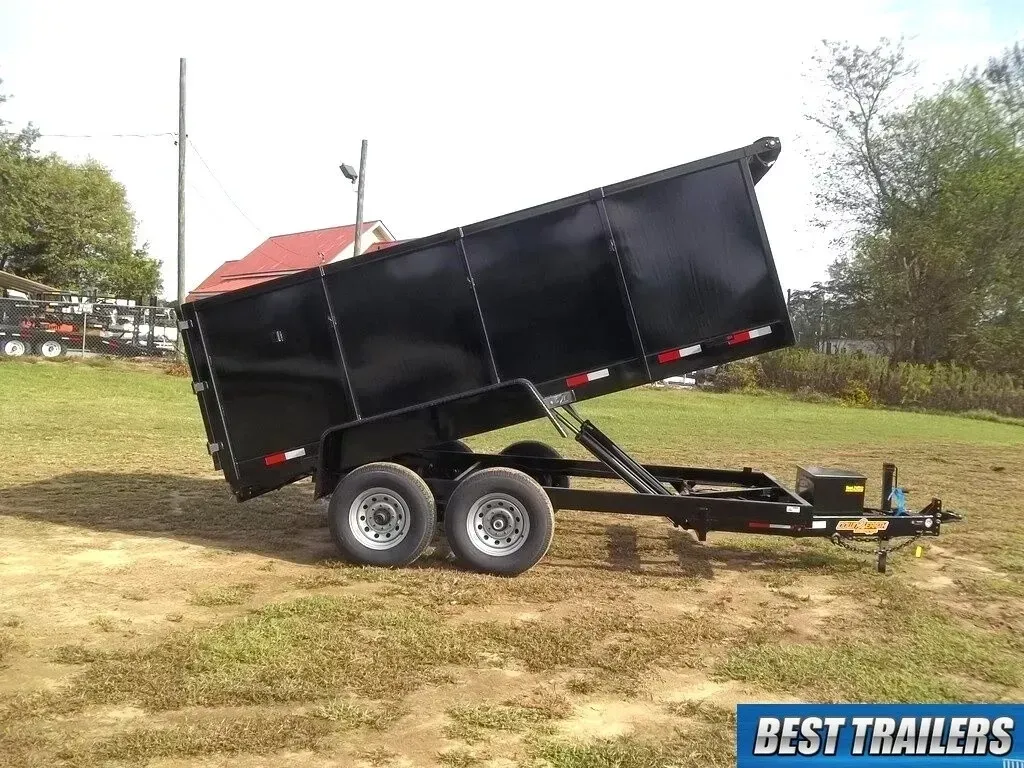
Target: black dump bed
{"type": "Point", "coordinates": [620, 286]}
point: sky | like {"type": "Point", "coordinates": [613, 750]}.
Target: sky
{"type": "Point", "coordinates": [471, 109]}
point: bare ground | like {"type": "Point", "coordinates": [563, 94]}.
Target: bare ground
{"type": "Point", "coordinates": [148, 619]}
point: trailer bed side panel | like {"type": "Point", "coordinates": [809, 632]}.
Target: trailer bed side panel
{"type": "Point", "coordinates": [549, 294]}
{"type": "Point", "coordinates": [275, 359]}
{"type": "Point", "coordinates": [695, 263]}
{"type": "Point", "coordinates": [410, 329]}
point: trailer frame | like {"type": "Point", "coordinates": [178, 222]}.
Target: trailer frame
{"type": "Point", "coordinates": [698, 499]}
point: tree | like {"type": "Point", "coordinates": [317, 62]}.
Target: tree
{"type": "Point", "coordinates": [15, 185]}
{"type": "Point", "coordinates": [68, 224]}
{"type": "Point", "coordinates": [818, 314]}
{"type": "Point", "coordinates": [1004, 78]}
{"type": "Point", "coordinates": [931, 192]}
{"type": "Point", "coordinates": [854, 186]}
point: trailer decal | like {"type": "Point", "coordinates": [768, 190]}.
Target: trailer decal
{"type": "Point", "coordinates": [585, 378]}
{"type": "Point", "coordinates": [863, 527]}
{"type": "Point", "coordinates": [741, 336]}
{"type": "Point", "coordinates": [679, 354]}
{"type": "Point", "coordinates": [281, 458]}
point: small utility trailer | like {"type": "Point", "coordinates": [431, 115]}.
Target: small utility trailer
{"type": "Point", "coordinates": [365, 373]}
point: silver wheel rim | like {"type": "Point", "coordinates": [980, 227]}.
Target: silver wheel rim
{"type": "Point", "coordinates": [14, 348]}
{"type": "Point", "coordinates": [50, 349]}
{"type": "Point", "coordinates": [497, 524]}
{"type": "Point", "coordinates": [379, 518]}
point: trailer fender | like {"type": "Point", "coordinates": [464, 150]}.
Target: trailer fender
{"type": "Point", "coordinates": [377, 438]}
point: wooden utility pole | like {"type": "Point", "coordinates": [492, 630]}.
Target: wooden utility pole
{"type": "Point", "coordinates": [182, 138]}
{"type": "Point", "coordinates": [356, 246]}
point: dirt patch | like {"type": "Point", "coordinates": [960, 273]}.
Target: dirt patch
{"type": "Point", "coordinates": [675, 686]}
{"type": "Point", "coordinates": [611, 717]}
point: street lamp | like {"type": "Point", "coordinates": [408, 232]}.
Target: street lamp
{"type": "Point", "coordinates": [349, 173]}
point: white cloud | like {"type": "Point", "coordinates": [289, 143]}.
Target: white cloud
{"type": "Point", "coordinates": [471, 110]}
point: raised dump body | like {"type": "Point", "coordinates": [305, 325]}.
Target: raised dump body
{"type": "Point", "coordinates": [365, 373]}
{"type": "Point", "coordinates": [609, 289]}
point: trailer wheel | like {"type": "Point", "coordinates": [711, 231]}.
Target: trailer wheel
{"type": "Point", "coordinates": [538, 450]}
{"type": "Point", "coordinates": [499, 520]}
{"type": "Point", "coordinates": [382, 514]}
{"type": "Point", "coordinates": [14, 348]}
{"type": "Point", "coordinates": [51, 348]}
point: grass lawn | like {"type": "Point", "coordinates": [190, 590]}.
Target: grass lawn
{"type": "Point", "coordinates": [148, 618]}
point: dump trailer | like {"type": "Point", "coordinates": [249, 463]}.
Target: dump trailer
{"type": "Point", "coordinates": [366, 373]}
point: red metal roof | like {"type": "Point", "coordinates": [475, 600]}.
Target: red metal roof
{"type": "Point", "coordinates": [280, 255]}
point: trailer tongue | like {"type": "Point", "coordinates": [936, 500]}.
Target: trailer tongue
{"type": "Point", "coordinates": [366, 372]}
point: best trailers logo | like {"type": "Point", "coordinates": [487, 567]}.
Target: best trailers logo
{"type": "Point", "coordinates": [866, 735]}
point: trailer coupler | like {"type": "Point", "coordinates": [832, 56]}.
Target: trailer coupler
{"type": "Point", "coordinates": [879, 544]}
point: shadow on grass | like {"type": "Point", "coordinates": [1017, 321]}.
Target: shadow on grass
{"type": "Point", "coordinates": [631, 551]}
{"type": "Point", "coordinates": [287, 524]}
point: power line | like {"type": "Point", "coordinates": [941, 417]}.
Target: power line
{"type": "Point", "coordinates": [231, 200]}
{"type": "Point", "coordinates": [198, 192]}
{"type": "Point", "coordinates": [198, 154]}
{"type": "Point", "coordinates": [237, 207]}
{"type": "Point", "coordinates": [104, 135]}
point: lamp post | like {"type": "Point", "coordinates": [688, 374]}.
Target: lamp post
{"type": "Point", "coordinates": [349, 173]}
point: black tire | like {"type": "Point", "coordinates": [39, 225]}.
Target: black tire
{"type": "Point", "coordinates": [403, 505]}
{"type": "Point", "coordinates": [539, 450]}
{"type": "Point", "coordinates": [51, 348]}
{"type": "Point", "coordinates": [518, 500]}
{"type": "Point", "coordinates": [13, 347]}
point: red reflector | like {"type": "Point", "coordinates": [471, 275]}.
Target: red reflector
{"type": "Point", "coordinates": [275, 458]}
{"type": "Point", "coordinates": [586, 378]}
{"type": "Point", "coordinates": [758, 525]}
{"type": "Point", "coordinates": [741, 336]}
{"type": "Point", "coordinates": [679, 354]}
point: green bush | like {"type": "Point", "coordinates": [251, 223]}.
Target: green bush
{"type": "Point", "coordinates": [743, 375]}
{"type": "Point", "coordinates": [864, 380]}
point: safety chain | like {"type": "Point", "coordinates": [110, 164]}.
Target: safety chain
{"type": "Point", "coordinates": [839, 541]}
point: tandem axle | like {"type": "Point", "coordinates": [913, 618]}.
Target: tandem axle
{"type": "Point", "coordinates": [497, 509]}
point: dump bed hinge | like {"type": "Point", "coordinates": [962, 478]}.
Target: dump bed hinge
{"type": "Point", "coordinates": [562, 398]}
{"type": "Point", "coordinates": [213, 447]}
{"type": "Point", "coordinates": [198, 386]}
{"type": "Point", "coordinates": [184, 325]}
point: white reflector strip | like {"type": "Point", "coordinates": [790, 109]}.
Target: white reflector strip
{"type": "Point", "coordinates": [742, 336]}
{"type": "Point", "coordinates": [761, 524]}
{"type": "Point", "coordinates": [586, 378]}
{"type": "Point", "coordinates": [679, 354]}
{"type": "Point", "coordinates": [281, 458]}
